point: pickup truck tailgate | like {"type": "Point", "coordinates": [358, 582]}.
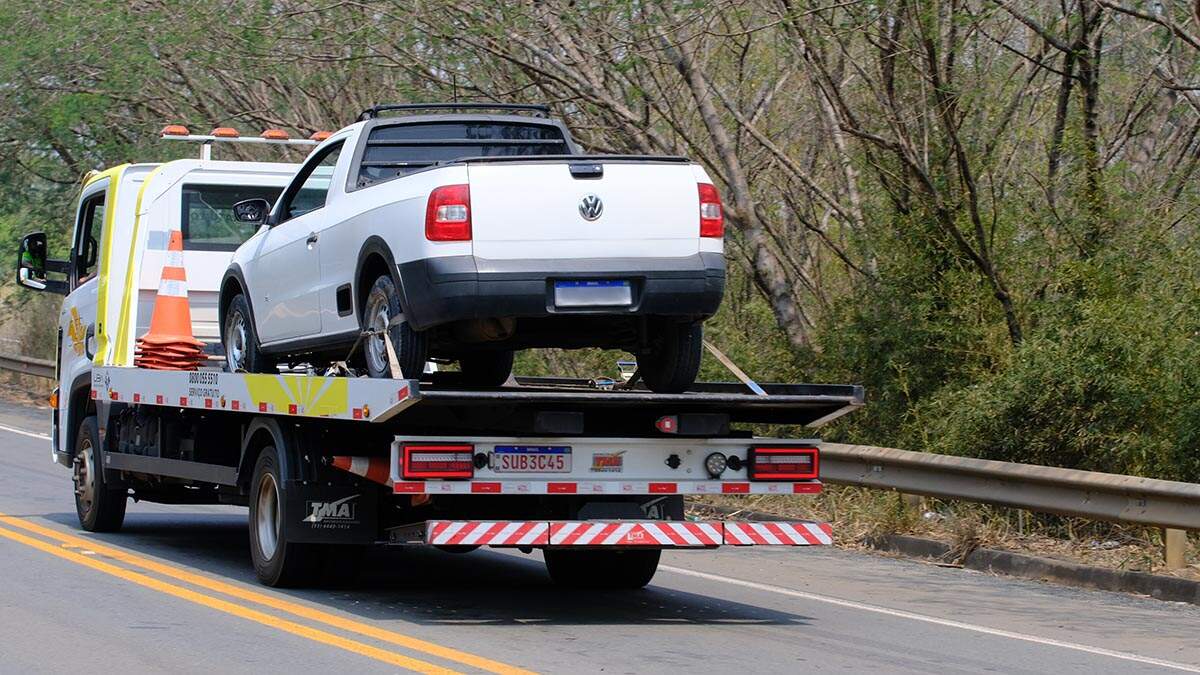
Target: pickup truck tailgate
{"type": "Point", "coordinates": [532, 211]}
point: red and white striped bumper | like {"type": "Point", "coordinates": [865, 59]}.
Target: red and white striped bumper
{"type": "Point", "coordinates": [654, 533]}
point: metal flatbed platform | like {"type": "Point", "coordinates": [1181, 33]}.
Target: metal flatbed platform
{"type": "Point", "coordinates": [544, 405]}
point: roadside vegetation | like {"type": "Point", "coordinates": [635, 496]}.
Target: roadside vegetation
{"type": "Point", "coordinates": [985, 211]}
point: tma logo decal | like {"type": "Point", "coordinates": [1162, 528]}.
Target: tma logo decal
{"type": "Point", "coordinates": [341, 511]}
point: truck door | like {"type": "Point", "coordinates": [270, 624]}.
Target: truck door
{"type": "Point", "coordinates": [78, 319]}
{"type": "Point", "coordinates": [284, 278]}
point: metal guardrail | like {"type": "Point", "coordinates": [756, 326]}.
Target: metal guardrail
{"type": "Point", "coordinates": [28, 365]}
{"type": "Point", "coordinates": [1068, 492]}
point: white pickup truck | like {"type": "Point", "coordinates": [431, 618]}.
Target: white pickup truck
{"type": "Point", "coordinates": [469, 231]}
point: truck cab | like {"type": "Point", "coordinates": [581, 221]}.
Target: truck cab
{"type": "Point", "coordinates": [118, 245]}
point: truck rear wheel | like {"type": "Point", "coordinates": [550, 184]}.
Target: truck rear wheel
{"type": "Point", "coordinates": [277, 561]}
{"type": "Point", "coordinates": [672, 363]}
{"type": "Point", "coordinates": [99, 507]}
{"type": "Point", "coordinates": [382, 305]}
{"type": "Point", "coordinates": [486, 369]}
{"type": "Point", "coordinates": [614, 570]}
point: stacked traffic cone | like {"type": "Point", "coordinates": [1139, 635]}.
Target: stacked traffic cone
{"type": "Point", "coordinates": [169, 344]}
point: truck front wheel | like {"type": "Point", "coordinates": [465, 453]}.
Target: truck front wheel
{"type": "Point", "coordinates": [615, 570]}
{"type": "Point", "coordinates": [277, 561]}
{"type": "Point", "coordinates": [100, 508]}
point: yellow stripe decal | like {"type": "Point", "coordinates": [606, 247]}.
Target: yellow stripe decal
{"type": "Point", "coordinates": [121, 355]}
{"type": "Point", "coordinates": [110, 212]}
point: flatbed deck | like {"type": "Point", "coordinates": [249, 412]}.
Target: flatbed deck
{"type": "Point", "coordinates": [544, 405]}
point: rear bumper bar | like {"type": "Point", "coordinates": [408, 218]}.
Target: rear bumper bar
{"type": "Point", "coordinates": [441, 290]}
{"type": "Point", "coordinates": [380, 470]}
{"type": "Point", "coordinates": [617, 533]}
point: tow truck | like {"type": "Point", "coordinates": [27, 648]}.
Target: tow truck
{"type": "Point", "coordinates": [591, 472]}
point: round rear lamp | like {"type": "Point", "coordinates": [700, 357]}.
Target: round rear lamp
{"type": "Point", "coordinates": [715, 464]}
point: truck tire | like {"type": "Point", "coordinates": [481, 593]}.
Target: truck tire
{"type": "Point", "coordinates": [613, 570]}
{"type": "Point", "coordinates": [671, 365]}
{"type": "Point", "coordinates": [99, 507]}
{"type": "Point", "coordinates": [486, 369]}
{"type": "Point", "coordinates": [277, 562]}
{"type": "Point", "coordinates": [383, 303]}
{"type": "Point", "coordinates": [240, 340]}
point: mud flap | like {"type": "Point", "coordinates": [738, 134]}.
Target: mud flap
{"type": "Point", "coordinates": [330, 514]}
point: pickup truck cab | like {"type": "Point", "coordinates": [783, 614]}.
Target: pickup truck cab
{"type": "Point", "coordinates": [467, 235]}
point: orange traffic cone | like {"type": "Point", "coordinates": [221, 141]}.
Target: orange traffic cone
{"type": "Point", "coordinates": [169, 344]}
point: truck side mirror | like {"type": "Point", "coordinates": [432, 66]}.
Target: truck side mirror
{"type": "Point", "coordinates": [253, 211]}
{"type": "Point", "coordinates": [32, 265]}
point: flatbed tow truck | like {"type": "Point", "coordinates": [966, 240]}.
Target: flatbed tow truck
{"type": "Point", "coordinates": [593, 473]}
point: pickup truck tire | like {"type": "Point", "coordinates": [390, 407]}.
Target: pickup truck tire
{"type": "Point", "coordinates": [277, 562]}
{"type": "Point", "coordinates": [99, 507]}
{"type": "Point", "coordinates": [612, 570]}
{"type": "Point", "coordinates": [486, 369]}
{"type": "Point", "coordinates": [670, 366]}
{"type": "Point", "coordinates": [240, 340]}
{"type": "Point", "coordinates": [383, 304]}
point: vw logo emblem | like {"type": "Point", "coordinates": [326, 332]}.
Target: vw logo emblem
{"type": "Point", "coordinates": [590, 207]}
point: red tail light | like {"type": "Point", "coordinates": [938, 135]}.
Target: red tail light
{"type": "Point", "coordinates": [777, 463]}
{"type": "Point", "coordinates": [438, 461]}
{"type": "Point", "coordinates": [712, 217]}
{"type": "Point", "coordinates": [448, 214]}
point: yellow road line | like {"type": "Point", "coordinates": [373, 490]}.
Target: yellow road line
{"type": "Point", "coordinates": [273, 602]}
{"type": "Point", "coordinates": [301, 630]}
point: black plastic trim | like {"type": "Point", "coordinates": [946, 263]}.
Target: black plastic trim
{"type": "Point", "coordinates": [436, 291]}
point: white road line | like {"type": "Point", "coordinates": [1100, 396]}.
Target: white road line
{"type": "Point", "coordinates": [1126, 656]}
{"type": "Point", "coordinates": [24, 433]}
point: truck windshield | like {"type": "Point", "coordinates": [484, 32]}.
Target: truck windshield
{"type": "Point", "coordinates": [399, 149]}
{"type": "Point", "coordinates": [207, 220]}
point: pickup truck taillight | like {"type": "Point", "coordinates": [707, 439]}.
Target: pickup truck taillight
{"type": "Point", "coordinates": [448, 214]}
{"type": "Point", "coordinates": [712, 218]}
{"type": "Point", "coordinates": [783, 463]}
{"type": "Point", "coordinates": [438, 461]}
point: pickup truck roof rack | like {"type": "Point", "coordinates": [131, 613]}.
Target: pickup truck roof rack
{"type": "Point", "coordinates": [538, 110]}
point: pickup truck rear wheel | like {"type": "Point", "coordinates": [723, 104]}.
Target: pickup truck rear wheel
{"type": "Point", "coordinates": [671, 365]}
{"type": "Point", "coordinates": [382, 305]}
{"type": "Point", "coordinates": [100, 508]}
{"type": "Point", "coordinates": [620, 569]}
{"type": "Point", "coordinates": [241, 340]}
{"type": "Point", "coordinates": [487, 369]}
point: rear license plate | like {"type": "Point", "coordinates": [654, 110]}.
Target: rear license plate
{"type": "Point", "coordinates": [593, 293]}
{"type": "Point", "coordinates": [530, 459]}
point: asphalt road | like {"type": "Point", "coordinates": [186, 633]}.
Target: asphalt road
{"type": "Point", "coordinates": [174, 591]}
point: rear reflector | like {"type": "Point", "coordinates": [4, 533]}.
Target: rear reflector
{"type": "Point", "coordinates": [448, 214]}
{"type": "Point", "coordinates": [779, 463]}
{"type": "Point", "coordinates": [712, 217]}
{"type": "Point", "coordinates": [438, 461]}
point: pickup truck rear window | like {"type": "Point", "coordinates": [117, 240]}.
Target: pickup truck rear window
{"type": "Point", "coordinates": [396, 150]}
{"type": "Point", "coordinates": [207, 220]}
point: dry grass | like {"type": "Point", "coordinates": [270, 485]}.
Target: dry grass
{"type": "Point", "coordinates": [858, 513]}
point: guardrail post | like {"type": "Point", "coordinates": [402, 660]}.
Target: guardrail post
{"type": "Point", "coordinates": [1175, 542]}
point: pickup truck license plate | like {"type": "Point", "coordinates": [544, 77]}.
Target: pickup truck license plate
{"type": "Point", "coordinates": [530, 459]}
{"type": "Point", "coordinates": [593, 293]}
